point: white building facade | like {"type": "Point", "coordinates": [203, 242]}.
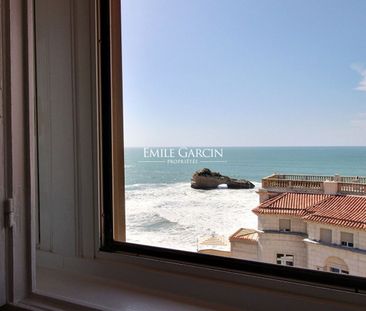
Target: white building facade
{"type": "Point", "coordinates": [307, 229]}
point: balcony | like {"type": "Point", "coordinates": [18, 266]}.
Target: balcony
{"type": "Point", "coordinates": [317, 184]}
{"type": "Point", "coordinates": [318, 243]}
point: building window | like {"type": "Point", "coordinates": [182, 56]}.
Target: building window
{"type": "Point", "coordinates": [336, 265]}
{"type": "Point", "coordinates": [325, 235]}
{"type": "Point", "coordinates": [285, 259]}
{"type": "Point", "coordinates": [334, 270]}
{"type": "Point", "coordinates": [285, 225]}
{"type": "Point", "coordinates": [347, 239]}
{"type": "Point", "coordinates": [338, 270]}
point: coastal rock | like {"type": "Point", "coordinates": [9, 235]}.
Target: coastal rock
{"type": "Point", "coordinates": [205, 179]}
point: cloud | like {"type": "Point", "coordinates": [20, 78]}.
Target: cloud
{"type": "Point", "coordinates": [362, 71]}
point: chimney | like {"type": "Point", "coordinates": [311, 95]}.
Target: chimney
{"type": "Point", "coordinates": [330, 187]}
{"type": "Point", "coordinates": [263, 195]}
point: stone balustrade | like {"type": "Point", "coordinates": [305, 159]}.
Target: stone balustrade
{"type": "Point", "coordinates": [315, 184]}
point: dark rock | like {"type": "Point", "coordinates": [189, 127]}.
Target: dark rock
{"type": "Point", "coordinates": [205, 179]}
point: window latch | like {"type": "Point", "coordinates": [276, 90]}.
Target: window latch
{"type": "Point", "coordinates": [9, 213]}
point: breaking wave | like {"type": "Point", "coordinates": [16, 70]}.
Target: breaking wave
{"type": "Point", "coordinates": [175, 215]}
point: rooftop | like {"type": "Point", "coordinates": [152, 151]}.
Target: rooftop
{"type": "Point", "coordinates": [245, 235]}
{"type": "Point", "coordinates": [346, 211]}
{"type": "Point", "coordinates": [320, 184]}
{"type": "Point", "coordinates": [213, 242]}
{"type": "Point", "coordinates": [294, 204]}
{"type": "Point", "coordinates": [341, 210]}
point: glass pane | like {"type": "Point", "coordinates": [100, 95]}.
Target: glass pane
{"type": "Point", "coordinates": [347, 239]}
{"type": "Point", "coordinates": [244, 129]}
{"type": "Point", "coordinates": [334, 270]}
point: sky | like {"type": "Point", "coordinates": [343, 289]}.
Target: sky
{"type": "Point", "coordinates": [244, 72]}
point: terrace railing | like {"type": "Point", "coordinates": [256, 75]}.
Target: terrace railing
{"type": "Point", "coordinates": [352, 188]}
{"type": "Point", "coordinates": [314, 183]}
{"type": "Point", "coordinates": [292, 185]}
{"type": "Point", "coordinates": [302, 177]}
{"type": "Point", "coordinates": [353, 179]}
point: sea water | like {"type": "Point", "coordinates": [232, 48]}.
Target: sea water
{"type": "Point", "coordinates": [163, 210]}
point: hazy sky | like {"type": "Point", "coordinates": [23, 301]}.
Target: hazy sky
{"type": "Point", "coordinates": [244, 73]}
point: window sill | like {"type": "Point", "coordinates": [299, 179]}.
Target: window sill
{"type": "Point", "coordinates": [191, 286]}
{"type": "Point", "coordinates": [69, 290]}
{"type": "Point", "coordinates": [336, 246]}
{"type": "Point", "coordinates": [295, 233]}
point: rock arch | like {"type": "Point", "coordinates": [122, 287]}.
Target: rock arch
{"type": "Point", "coordinates": [206, 179]}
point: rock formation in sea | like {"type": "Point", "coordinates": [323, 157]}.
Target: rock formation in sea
{"type": "Point", "coordinates": [205, 179]}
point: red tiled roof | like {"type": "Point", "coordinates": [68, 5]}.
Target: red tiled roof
{"type": "Point", "coordinates": [340, 210]}
{"type": "Point", "coordinates": [295, 204]}
{"type": "Point", "coordinates": [245, 235]}
{"type": "Point", "coordinates": [346, 211]}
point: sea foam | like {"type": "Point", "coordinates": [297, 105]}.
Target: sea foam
{"type": "Point", "coordinates": [176, 216]}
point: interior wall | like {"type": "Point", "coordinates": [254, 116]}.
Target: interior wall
{"type": "Point", "coordinates": [65, 112]}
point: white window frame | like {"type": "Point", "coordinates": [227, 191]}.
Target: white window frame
{"type": "Point", "coordinates": [19, 165]}
{"type": "Point", "coordinates": [172, 278]}
{"type": "Point", "coordinates": [335, 269]}
{"type": "Point", "coordinates": [283, 259]}
{"type": "Point", "coordinates": [2, 168]}
{"type": "Point", "coordinates": [347, 243]}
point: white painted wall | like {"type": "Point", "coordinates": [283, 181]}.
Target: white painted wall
{"type": "Point", "coordinates": [318, 254]}
{"type": "Point", "coordinates": [270, 244]}
{"type": "Point", "coordinates": [307, 255]}
{"type": "Point", "coordinates": [271, 222]}
{"type": "Point", "coordinates": [246, 251]}
{"type": "Point", "coordinates": [359, 237]}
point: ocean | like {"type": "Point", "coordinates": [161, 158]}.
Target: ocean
{"type": "Point", "coordinates": [163, 210]}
